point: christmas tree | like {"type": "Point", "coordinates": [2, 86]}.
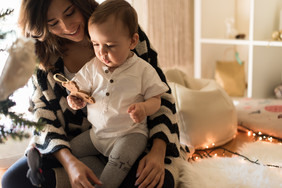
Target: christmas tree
{"type": "Point", "coordinates": [3, 15]}
{"type": "Point", "coordinates": [18, 68]}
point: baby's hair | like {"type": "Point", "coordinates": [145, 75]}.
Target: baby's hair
{"type": "Point", "coordinates": [121, 10]}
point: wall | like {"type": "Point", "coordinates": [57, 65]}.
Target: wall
{"type": "Point", "coordinates": [169, 26]}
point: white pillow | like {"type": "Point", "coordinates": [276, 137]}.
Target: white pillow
{"type": "Point", "coordinates": [206, 114]}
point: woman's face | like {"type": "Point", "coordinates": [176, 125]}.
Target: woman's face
{"type": "Point", "coordinates": [65, 20]}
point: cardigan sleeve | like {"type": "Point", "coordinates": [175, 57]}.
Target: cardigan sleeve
{"type": "Point", "coordinates": [162, 124]}
{"type": "Point", "coordinates": [53, 136]}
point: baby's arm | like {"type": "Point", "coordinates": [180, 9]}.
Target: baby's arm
{"type": "Point", "coordinates": [75, 103]}
{"type": "Point", "coordinates": [139, 111]}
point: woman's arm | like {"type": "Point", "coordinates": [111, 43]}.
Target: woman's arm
{"type": "Point", "coordinates": [53, 139]}
{"type": "Point", "coordinates": [151, 169]}
{"type": "Point", "coordinates": [163, 128]}
{"type": "Point", "coordinates": [163, 124]}
{"type": "Point", "coordinates": [50, 106]}
{"type": "Point", "coordinates": [44, 110]}
{"type": "Point", "coordinates": [79, 174]}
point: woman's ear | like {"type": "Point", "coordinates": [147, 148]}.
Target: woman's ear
{"type": "Point", "coordinates": [134, 41]}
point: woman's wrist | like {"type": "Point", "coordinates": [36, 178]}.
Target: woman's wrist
{"type": "Point", "coordinates": [159, 147]}
{"type": "Point", "coordinates": [65, 157]}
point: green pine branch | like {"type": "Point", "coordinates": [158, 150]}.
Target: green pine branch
{"type": "Point", "coordinates": [3, 15]}
{"type": "Point", "coordinates": [18, 123]}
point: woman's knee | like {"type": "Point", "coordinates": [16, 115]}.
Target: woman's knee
{"type": "Point", "coordinates": [6, 178]}
{"type": "Point", "coordinates": [16, 177]}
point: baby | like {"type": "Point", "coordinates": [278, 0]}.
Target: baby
{"type": "Point", "coordinates": [126, 90]}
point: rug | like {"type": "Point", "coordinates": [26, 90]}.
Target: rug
{"type": "Point", "coordinates": [237, 171]}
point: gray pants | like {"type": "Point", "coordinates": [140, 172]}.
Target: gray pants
{"type": "Point", "coordinates": [123, 155]}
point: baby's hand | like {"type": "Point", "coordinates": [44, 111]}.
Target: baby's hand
{"type": "Point", "coordinates": [75, 102]}
{"type": "Point", "coordinates": [137, 112]}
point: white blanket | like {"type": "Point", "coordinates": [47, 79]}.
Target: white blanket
{"type": "Point", "coordinates": [236, 172]}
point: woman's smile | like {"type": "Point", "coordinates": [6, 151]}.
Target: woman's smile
{"type": "Point", "coordinates": [74, 33]}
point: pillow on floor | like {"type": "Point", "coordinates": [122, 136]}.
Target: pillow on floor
{"type": "Point", "coordinates": [264, 115]}
{"type": "Point", "coordinates": [206, 114]}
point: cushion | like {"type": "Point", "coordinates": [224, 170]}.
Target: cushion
{"type": "Point", "coordinates": [264, 115]}
{"type": "Point", "coordinates": [206, 114]}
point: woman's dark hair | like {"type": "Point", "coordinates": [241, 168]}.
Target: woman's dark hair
{"type": "Point", "coordinates": [33, 23]}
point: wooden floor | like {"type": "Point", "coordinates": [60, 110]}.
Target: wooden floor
{"type": "Point", "coordinates": [233, 146]}
{"type": "Point", "coordinates": [241, 138]}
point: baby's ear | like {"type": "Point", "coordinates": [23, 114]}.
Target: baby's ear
{"type": "Point", "coordinates": [134, 41]}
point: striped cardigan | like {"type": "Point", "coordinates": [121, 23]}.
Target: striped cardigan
{"type": "Point", "coordinates": [63, 123]}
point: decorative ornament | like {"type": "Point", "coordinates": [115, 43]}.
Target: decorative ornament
{"type": "Point", "coordinates": [231, 31]}
{"type": "Point", "coordinates": [278, 91]}
{"type": "Point", "coordinates": [19, 66]}
{"type": "Point", "coordinates": [74, 89]}
{"type": "Point", "coordinates": [277, 35]}
{"type": "Point", "coordinates": [35, 172]}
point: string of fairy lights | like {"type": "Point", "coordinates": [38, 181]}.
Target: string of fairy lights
{"type": "Point", "coordinates": [259, 136]}
{"type": "Point", "coordinates": [211, 151]}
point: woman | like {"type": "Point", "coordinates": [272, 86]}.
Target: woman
{"type": "Point", "coordinates": [62, 46]}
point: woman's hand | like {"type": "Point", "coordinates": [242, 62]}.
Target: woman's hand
{"type": "Point", "coordinates": [151, 169]}
{"type": "Point", "coordinates": [79, 174]}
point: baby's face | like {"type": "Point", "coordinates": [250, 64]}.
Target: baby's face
{"type": "Point", "coordinates": [111, 42]}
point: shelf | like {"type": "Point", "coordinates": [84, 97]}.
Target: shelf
{"type": "Point", "coordinates": [257, 19]}
{"type": "Point", "coordinates": [224, 41]}
{"type": "Point", "coordinates": [241, 42]}
{"type": "Point", "coordinates": [268, 43]}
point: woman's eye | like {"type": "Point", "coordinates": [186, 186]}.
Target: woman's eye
{"type": "Point", "coordinates": [71, 13]}
{"type": "Point", "coordinates": [110, 46]}
{"type": "Point", "coordinates": [53, 24]}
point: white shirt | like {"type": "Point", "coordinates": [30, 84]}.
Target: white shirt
{"type": "Point", "coordinates": [134, 81]}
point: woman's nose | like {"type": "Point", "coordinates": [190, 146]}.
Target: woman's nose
{"type": "Point", "coordinates": [65, 26]}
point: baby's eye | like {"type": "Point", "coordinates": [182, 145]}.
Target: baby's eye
{"type": "Point", "coordinates": [110, 45]}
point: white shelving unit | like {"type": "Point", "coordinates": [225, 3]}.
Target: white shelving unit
{"type": "Point", "coordinates": [257, 19]}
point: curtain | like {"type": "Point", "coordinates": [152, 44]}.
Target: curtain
{"type": "Point", "coordinates": [169, 26]}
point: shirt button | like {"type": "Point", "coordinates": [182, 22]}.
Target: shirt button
{"type": "Point", "coordinates": [107, 94]}
{"type": "Point", "coordinates": [111, 80]}
{"type": "Point", "coordinates": [106, 71]}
